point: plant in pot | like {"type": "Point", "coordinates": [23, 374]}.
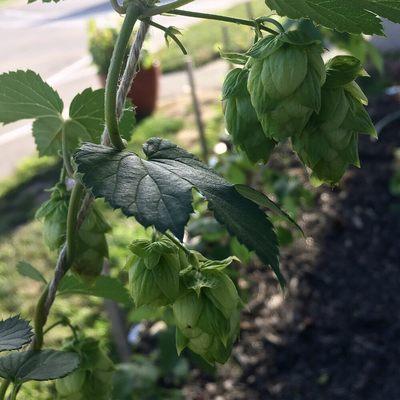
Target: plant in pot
{"type": "Point", "coordinates": [144, 91]}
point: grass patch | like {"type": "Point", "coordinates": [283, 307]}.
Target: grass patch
{"type": "Point", "coordinates": [203, 39]}
{"type": "Point", "coordinates": [154, 126]}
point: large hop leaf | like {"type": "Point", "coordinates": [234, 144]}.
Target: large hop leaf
{"type": "Point", "coordinates": [158, 192]}
{"type": "Point", "coordinates": [355, 16]}
{"type": "Point", "coordinates": [329, 143]}
{"type": "Point", "coordinates": [14, 333]}
{"type": "Point", "coordinates": [241, 118]}
{"type": "Point", "coordinates": [285, 81]}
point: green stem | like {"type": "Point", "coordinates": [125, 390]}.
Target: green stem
{"type": "Point", "coordinates": [40, 320]}
{"type": "Point", "coordinates": [65, 153]}
{"type": "Point", "coordinates": [73, 210]}
{"type": "Point", "coordinates": [63, 322]}
{"type": "Point", "coordinates": [178, 243]}
{"type": "Point", "coordinates": [63, 175]}
{"type": "Point", "coordinates": [222, 18]}
{"type": "Point", "coordinates": [117, 7]}
{"type": "Point", "coordinates": [40, 311]}
{"type": "Point", "coordinates": [117, 60]}
{"type": "Point", "coordinates": [169, 33]}
{"type": "Point", "coordinates": [166, 8]}
{"type": "Point", "coordinates": [3, 389]}
{"type": "Point", "coordinates": [14, 392]}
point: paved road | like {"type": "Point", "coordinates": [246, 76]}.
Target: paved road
{"type": "Point", "coordinates": [51, 39]}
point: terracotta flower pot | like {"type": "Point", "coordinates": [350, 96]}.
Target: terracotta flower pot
{"type": "Point", "coordinates": [144, 91]}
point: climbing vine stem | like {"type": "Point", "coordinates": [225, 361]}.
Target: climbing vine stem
{"type": "Point", "coordinates": [133, 12]}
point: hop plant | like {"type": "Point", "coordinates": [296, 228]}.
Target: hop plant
{"type": "Point", "coordinates": [207, 314]}
{"type": "Point", "coordinates": [91, 248]}
{"type": "Point", "coordinates": [93, 378]}
{"type": "Point", "coordinates": [53, 213]}
{"type": "Point", "coordinates": [241, 118]}
{"type": "Point", "coordinates": [329, 142]}
{"type": "Point", "coordinates": [154, 272]}
{"type": "Point", "coordinates": [285, 80]}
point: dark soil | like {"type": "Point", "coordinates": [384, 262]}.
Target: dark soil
{"type": "Point", "coordinates": [336, 335]}
{"type": "Point", "coordinates": [19, 205]}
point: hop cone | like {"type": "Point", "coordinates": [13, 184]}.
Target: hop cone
{"type": "Point", "coordinates": [54, 215]}
{"type": "Point", "coordinates": [285, 81]}
{"type": "Point", "coordinates": [207, 315]}
{"type": "Point", "coordinates": [241, 118]}
{"type": "Point", "coordinates": [93, 378]}
{"type": "Point", "coordinates": [154, 272]}
{"type": "Point", "coordinates": [329, 143]}
{"type": "Point", "coordinates": [91, 247]}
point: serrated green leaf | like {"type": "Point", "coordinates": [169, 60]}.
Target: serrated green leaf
{"type": "Point", "coordinates": [24, 95]}
{"type": "Point", "coordinates": [103, 287]}
{"type": "Point", "coordinates": [158, 192]}
{"type": "Point", "coordinates": [264, 201]}
{"type": "Point", "coordinates": [14, 333]}
{"type": "Point", "coordinates": [87, 111]}
{"type": "Point", "coordinates": [37, 366]}
{"type": "Point", "coordinates": [47, 134]}
{"type": "Point", "coordinates": [344, 15]}
{"type": "Point", "coordinates": [29, 271]}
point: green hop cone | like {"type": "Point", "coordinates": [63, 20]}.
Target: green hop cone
{"type": "Point", "coordinates": [92, 379]}
{"type": "Point", "coordinates": [70, 387]}
{"type": "Point", "coordinates": [207, 314]}
{"type": "Point", "coordinates": [53, 213]}
{"type": "Point", "coordinates": [241, 118]}
{"type": "Point", "coordinates": [285, 80]}
{"type": "Point", "coordinates": [329, 143]}
{"type": "Point", "coordinates": [154, 272]}
{"type": "Point", "coordinates": [91, 246]}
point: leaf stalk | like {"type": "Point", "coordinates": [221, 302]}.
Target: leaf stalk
{"type": "Point", "coordinates": [223, 18]}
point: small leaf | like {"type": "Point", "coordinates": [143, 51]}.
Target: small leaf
{"type": "Point", "coordinates": [158, 192]}
{"type": "Point", "coordinates": [235, 58]}
{"type": "Point", "coordinates": [37, 366]}
{"type": "Point", "coordinates": [87, 110]}
{"type": "Point", "coordinates": [104, 287]}
{"type": "Point", "coordinates": [14, 333]}
{"type": "Point", "coordinates": [29, 271]}
{"type": "Point", "coordinates": [24, 95]}
{"type": "Point", "coordinates": [47, 134]}
{"type": "Point", "coordinates": [264, 201]}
